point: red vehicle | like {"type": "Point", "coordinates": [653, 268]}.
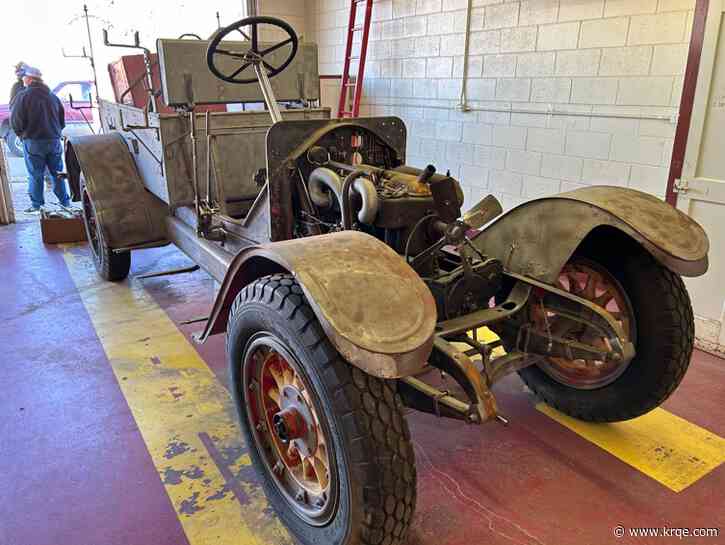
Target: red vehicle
{"type": "Point", "coordinates": [75, 122]}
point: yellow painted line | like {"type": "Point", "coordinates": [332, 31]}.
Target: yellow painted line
{"type": "Point", "coordinates": [185, 415]}
{"type": "Point", "coordinates": [663, 446]}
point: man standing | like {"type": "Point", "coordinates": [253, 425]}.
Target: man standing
{"type": "Point", "coordinates": [18, 85]}
{"type": "Point", "coordinates": [38, 118]}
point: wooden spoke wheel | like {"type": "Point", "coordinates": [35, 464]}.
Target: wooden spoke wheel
{"type": "Point", "coordinates": [89, 217]}
{"type": "Point", "coordinates": [111, 265]}
{"type": "Point", "coordinates": [651, 305]}
{"type": "Point", "coordinates": [287, 428]}
{"type": "Point", "coordinates": [588, 280]}
{"type": "Point", "coordinates": [329, 442]}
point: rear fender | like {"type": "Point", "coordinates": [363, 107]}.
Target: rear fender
{"type": "Point", "coordinates": [374, 308]}
{"type": "Point", "coordinates": [537, 238]}
{"type": "Point", "coordinates": [128, 214]}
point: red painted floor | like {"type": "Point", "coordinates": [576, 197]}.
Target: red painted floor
{"type": "Point", "coordinates": [75, 469]}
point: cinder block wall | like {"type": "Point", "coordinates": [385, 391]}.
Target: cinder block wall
{"type": "Point", "coordinates": [292, 11]}
{"type": "Point", "coordinates": [594, 59]}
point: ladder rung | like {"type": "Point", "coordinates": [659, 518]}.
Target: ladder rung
{"type": "Point", "coordinates": [354, 96]}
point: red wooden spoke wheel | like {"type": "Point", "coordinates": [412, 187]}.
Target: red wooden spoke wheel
{"type": "Point", "coordinates": [588, 280]}
{"type": "Point", "coordinates": [287, 428]}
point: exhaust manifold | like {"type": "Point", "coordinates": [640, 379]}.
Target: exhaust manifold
{"type": "Point", "coordinates": [324, 182]}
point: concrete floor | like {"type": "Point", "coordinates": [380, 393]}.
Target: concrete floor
{"type": "Point", "coordinates": [117, 430]}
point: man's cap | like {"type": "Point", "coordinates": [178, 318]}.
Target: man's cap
{"type": "Point", "coordinates": [20, 69]}
{"type": "Point", "coordinates": [31, 72]}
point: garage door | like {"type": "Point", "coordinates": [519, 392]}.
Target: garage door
{"type": "Point", "coordinates": [701, 190]}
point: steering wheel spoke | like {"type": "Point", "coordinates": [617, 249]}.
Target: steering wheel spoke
{"type": "Point", "coordinates": [244, 35]}
{"type": "Point", "coordinates": [268, 66]}
{"type": "Point", "coordinates": [229, 53]}
{"type": "Point", "coordinates": [239, 70]}
{"type": "Point", "coordinates": [255, 37]}
{"type": "Point", "coordinates": [275, 47]}
{"type": "Point", "coordinates": [255, 54]}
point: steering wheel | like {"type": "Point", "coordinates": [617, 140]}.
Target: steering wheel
{"type": "Point", "coordinates": [249, 29]}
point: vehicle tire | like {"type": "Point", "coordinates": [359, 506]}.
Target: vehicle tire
{"type": "Point", "coordinates": [662, 331]}
{"type": "Point", "coordinates": [360, 484]}
{"type": "Point", "coordinates": [15, 145]}
{"type": "Point", "coordinates": [110, 265]}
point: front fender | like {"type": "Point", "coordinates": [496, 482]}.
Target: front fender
{"type": "Point", "coordinates": [538, 237]}
{"type": "Point", "coordinates": [374, 308]}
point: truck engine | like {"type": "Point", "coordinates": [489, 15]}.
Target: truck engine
{"type": "Point", "coordinates": [355, 181]}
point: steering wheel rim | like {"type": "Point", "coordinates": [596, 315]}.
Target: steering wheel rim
{"type": "Point", "coordinates": [254, 54]}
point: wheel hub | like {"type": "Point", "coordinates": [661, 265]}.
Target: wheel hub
{"type": "Point", "coordinates": [294, 424]}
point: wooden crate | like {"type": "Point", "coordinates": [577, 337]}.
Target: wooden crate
{"type": "Point", "coordinates": [59, 230]}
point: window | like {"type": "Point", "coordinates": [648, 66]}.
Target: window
{"type": "Point", "coordinates": [79, 90]}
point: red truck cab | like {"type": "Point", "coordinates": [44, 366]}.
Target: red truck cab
{"type": "Point", "coordinates": [75, 121]}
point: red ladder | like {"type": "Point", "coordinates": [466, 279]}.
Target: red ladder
{"type": "Point", "coordinates": [358, 83]}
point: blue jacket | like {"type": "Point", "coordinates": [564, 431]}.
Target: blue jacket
{"type": "Point", "coordinates": [37, 114]}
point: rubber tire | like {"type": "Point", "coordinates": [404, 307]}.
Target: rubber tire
{"type": "Point", "coordinates": [374, 453]}
{"type": "Point", "coordinates": [14, 145]}
{"type": "Point", "coordinates": [111, 266]}
{"type": "Point", "coordinates": [665, 331]}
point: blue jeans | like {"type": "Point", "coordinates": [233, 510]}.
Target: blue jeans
{"type": "Point", "coordinates": [39, 155]}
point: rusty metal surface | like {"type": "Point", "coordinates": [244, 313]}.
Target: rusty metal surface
{"type": "Point", "coordinates": [238, 148]}
{"type": "Point", "coordinates": [162, 151]}
{"type": "Point", "coordinates": [538, 237]}
{"type": "Point", "coordinates": [515, 301]}
{"type": "Point", "coordinates": [286, 142]}
{"type": "Point", "coordinates": [373, 307]}
{"type": "Point", "coordinates": [128, 214]}
{"type": "Point", "coordinates": [208, 255]}
{"type": "Point", "coordinates": [662, 225]}
{"type": "Point", "coordinates": [456, 363]}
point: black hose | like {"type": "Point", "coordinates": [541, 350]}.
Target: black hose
{"type": "Point", "coordinates": [415, 228]}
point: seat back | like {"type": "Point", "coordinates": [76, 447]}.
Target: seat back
{"type": "Point", "coordinates": [186, 79]}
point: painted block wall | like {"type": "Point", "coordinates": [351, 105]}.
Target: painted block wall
{"type": "Point", "coordinates": [594, 59]}
{"type": "Point", "coordinates": [291, 11]}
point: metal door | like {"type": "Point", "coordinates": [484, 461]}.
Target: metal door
{"type": "Point", "coordinates": [701, 189]}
